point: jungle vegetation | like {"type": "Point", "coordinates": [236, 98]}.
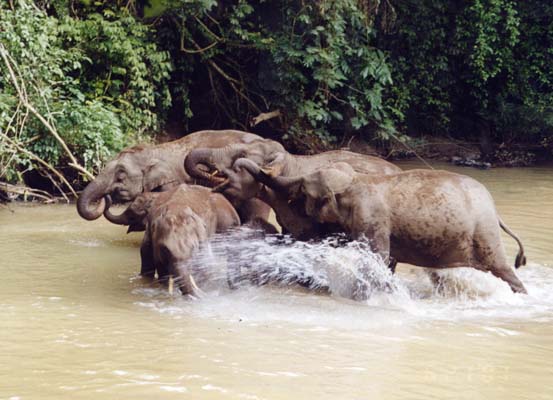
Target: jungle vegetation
{"type": "Point", "coordinates": [82, 79]}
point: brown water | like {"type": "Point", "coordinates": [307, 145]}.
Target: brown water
{"type": "Point", "coordinates": [77, 322]}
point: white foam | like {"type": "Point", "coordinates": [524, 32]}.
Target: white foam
{"type": "Point", "coordinates": [336, 267]}
{"type": "Point", "coordinates": [213, 388]}
{"type": "Point", "coordinates": [175, 389]}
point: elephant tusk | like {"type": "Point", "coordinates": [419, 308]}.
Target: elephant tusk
{"type": "Point", "coordinates": [193, 283]}
{"type": "Point", "coordinates": [222, 186]}
{"type": "Point", "coordinates": [214, 174]}
{"type": "Point", "coordinates": [197, 291]}
{"type": "Point", "coordinates": [171, 285]}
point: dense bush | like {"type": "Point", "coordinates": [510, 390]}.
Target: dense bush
{"type": "Point", "coordinates": [100, 84]}
{"type": "Point", "coordinates": [474, 70]}
{"type": "Point", "coordinates": [312, 60]}
{"type": "Point", "coordinates": [104, 74]}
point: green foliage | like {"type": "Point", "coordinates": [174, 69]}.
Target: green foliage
{"type": "Point", "coordinates": [107, 73]}
{"type": "Point", "coordinates": [313, 60]}
{"type": "Point", "coordinates": [100, 82]}
{"type": "Point", "coordinates": [122, 68]}
{"type": "Point", "coordinates": [473, 69]}
{"type": "Point", "coordinates": [524, 110]}
{"type": "Point", "coordinates": [326, 73]}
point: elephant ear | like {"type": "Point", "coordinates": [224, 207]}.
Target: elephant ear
{"type": "Point", "coordinates": [322, 187]}
{"type": "Point", "coordinates": [275, 166]}
{"type": "Point", "coordinates": [323, 183]}
{"type": "Point", "coordinates": [158, 177]}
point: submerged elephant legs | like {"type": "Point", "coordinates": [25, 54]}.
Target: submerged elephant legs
{"type": "Point", "coordinates": [482, 250]}
{"type": "Point", "coordinates": [506, 273]}
{"type": "Point", "coordinates": [501, 271]}
{"type": "Point", "coordinates": [147, 267]}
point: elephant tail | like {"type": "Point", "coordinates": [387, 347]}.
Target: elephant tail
{"type": "Point", "coordinates": [521, 258]}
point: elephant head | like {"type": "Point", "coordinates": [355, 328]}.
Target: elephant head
{"type": "Point", "coordinates": [316, 191]}
{"type": "Point", "coordinates": [134, 171]}
{"type": "Point", "coordinates": [262, 152]}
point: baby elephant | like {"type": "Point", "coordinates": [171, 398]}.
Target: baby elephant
{"type": "Point", "coordinates": [434, 219]}
{"type": "Point", "coordinates": [177, 222]}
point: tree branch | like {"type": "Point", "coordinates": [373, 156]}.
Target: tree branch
{"type": "Point", "coordinates": [25, 191]}
{"type": "Point", "coordinates": [41, 162]}
{"type": "Point", "coordinates": [22, 95]}
{"type": "Point", "coordinates": [264, 117]}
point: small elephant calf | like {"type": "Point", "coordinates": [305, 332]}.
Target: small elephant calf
{"type": "Point", "coordinates": [434, 219]}
{"type": "Point", "coordinates": [177, 222]}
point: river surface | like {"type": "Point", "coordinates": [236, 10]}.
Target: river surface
{"type": "Point", "coordinates": [78, 323]}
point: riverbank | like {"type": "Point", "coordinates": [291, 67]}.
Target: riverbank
{"type": "Point", "coordinates": [458, 152]}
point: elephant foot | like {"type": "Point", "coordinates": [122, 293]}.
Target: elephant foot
{"type": "Point", "coordinates": [150, 276]}
{"type": "Point", "coordinates": [507, 274]}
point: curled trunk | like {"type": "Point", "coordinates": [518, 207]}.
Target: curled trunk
{"type": "Point", "coordinates": [121, 219]}
{"type": "Point", "coordinates": [195, 158]}
{"type": "Point", "coordinates": [216, 160]}
{"type": "Point", "coordinates": [279, 183]}
{"type": "Point", "coordinates": [94, 192]}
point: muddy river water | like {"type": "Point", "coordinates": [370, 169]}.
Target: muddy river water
{"type": "Point", "coordinates": [78, 323]}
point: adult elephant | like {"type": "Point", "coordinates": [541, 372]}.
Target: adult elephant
{"type": "Point", "coordinates": [428, 218]}
{"type": "Point", "coordinates": [158, 168]}
{"type": "Point", "coordinates": [275, 161]}
{"type": "Point", "coordinates": [271, 156]}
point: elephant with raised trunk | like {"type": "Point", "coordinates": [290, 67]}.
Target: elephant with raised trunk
{"type": "Point", "coordinates": [158, 168]}
{"type": "Point", "coordinates": [275, 161]}
{"type": "Point", "coordinates": [428, 218]}
{"type": "Point", "coordinates": [177, 223]}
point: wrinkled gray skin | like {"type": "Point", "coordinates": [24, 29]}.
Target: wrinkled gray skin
{"type": "Point", "coordinates": [434, 219]}
{"type": "Point", "coordinates": [158, 168]}
{"type": "Point", "coordinates": [239, 186]}
{"type": "Point", "coordinates": [177, 222]}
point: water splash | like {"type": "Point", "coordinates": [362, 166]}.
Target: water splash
{"type": "Point", "coordinates": [342, 268]}
{"type": "Point", "coordinates": [275, 278]}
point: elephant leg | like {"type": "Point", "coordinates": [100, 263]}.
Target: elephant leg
{"type": "Point", "coordinates": [392, 265]}
{"type": "Point", "coordinates": [147, 268]}
{"type": "Point", "coordinates": [381, 245]}
{"type": "Point", "coordinates": [262, 224]}
{"type": "Point", "coordinates": [162, 273]}
{"type": "Point", "coordinates": [436, 279]}
{"type": "Point", "coordinates": [506, 273]}
{"type": "Point", "coordinates": [500, 270]}
{"type": "Point", "coordinates": [490, 256]}
{"type": "Point", "coordinates": [379, 241]}
{"type": "Point", "coordinates": [254, 209]}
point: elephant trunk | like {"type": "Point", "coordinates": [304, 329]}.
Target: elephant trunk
{"type": "Point", "coordinates": [217, 160]}
{"type": "Point", "coordinates": [121, 219]}
{"type": "Point", "coordinates": [93, 192]}
{"type": "Point", "coordinates": [279, 183]}
{"type": "Point", "coordinates": [194, 159]}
